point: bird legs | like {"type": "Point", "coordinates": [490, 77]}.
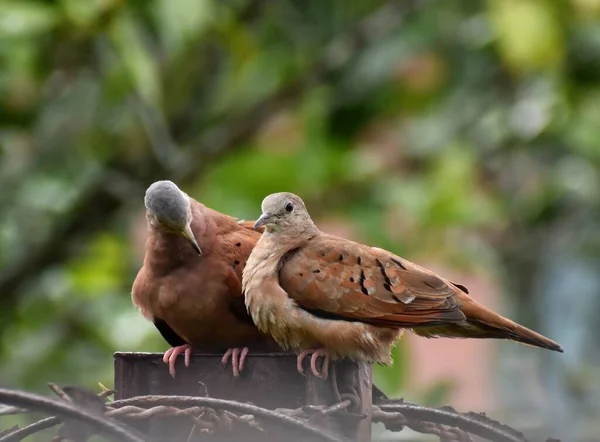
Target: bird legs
{"type": "Point", "coordinates": [171, 356]}
{"type": "Point", "coordinates": [238, 359]}
{"type": "Point", "coordinates": [316, 353]}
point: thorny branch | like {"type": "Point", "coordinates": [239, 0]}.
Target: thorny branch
{"type": "Point", "coordinates": [217, 409]}
{"type": "Point", "coordinates": [395, 414]}
{"type": "Point", "coordinates": [205, 419]}
{"type": "Point", "coordinates": [210, 414]}
{"type": "Point", "coordinates": [21, 433]}
{"type": "Point", "coordinates": [263, 413]}
{"type": "Point", "coordinates": [42, 404]}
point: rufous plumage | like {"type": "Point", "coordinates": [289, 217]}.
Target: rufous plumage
{"type": "Point", "coordinates": [189, 285]}
{"type": "Point", "coordinates": [332, 297]}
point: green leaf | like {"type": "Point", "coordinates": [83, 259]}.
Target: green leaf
{"type": "Point", "coordinates": [391, 379]}
{"type": "Point", "coordinates": [102, 267]}
{"type": "Point", "coordinates": [182, 21]}
{"type": "Point", "coordinates": [21, 18]}
{"type": "Point", "coordinates": [103, 388]}
{"type": "Point", "coordinates": [84, 13]}
{"type": "Point", "coordinates": [138, 61]}
{"type": "Point", "coordinates": [529, 35]}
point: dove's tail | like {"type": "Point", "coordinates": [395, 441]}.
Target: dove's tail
{"type": "Point", "coordinates": [483, 323]}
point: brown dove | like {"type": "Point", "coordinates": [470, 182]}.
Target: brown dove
{"type": "Point", "coordinates": [190, 283]}
{"type": "Point", "coordinates": [321, 294]}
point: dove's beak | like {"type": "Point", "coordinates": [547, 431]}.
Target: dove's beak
{"type": "Point", "coordinates": [189, 235]}
{"type": "Point", "coordinates": [264, 219]}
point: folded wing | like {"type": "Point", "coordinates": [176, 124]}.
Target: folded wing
{"type": "Point", "coordinates": [338, 279]}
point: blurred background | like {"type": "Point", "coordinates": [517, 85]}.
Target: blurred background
{"type": "Point", "coordinates": [462, 135]}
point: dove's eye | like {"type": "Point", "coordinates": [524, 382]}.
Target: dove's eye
{"type": "Point", "coordinates": [289, 207]}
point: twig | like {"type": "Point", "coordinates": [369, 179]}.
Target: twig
{"type": "Point", "coordinates": [209, 413]}
{"type": "Point", "coordinates": [59, 392]}
{"type": "Point", "coordinates": [8, 410]}
{"type": "Point", "coordinates": [46, 405]}
{"type": "Point", "coordinates": [395, 414]}
{"type": "Point", "coordinates": [22, 433]}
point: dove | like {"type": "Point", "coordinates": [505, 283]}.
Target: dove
{"type": "Point", "coordinates": [189, 285]}
{"type": "Point", "coordinates": [329, 297]}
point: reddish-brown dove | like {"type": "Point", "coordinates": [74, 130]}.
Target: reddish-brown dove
{"type": "Point", "coordinates": [190, 283]}
{"type": "Point", "coordinates": [321, 294]}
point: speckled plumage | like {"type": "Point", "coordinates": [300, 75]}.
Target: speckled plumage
{"type": "Point", "coordinates": [309, 290]}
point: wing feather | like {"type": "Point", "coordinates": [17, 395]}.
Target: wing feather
{"type": "Point", "coordinates": [341, 279]}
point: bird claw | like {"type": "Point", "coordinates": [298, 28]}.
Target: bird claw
{"type": "Point", "coordinates": [313, 362]}
{"type": "Point", "coordinates": [238, 359]}
{"type": "Point", "coordinates": [171, 356]}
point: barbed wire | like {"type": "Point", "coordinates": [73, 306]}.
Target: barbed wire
{"type": "Point", "coordinates": [163, 406]}
{"type": "Point", "coordinates": [396, 421]}
{"type": "Point", "coordinates": [212, 414]}
{"type": "Point", "coordinates": [192, 401]}
{"type": "Point", "coordinates": [443, 422]}
{"type": "Point", "coordinates": [34, 402]}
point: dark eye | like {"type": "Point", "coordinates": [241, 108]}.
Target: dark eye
{"type": "Point", "coordinates": [289, 207]}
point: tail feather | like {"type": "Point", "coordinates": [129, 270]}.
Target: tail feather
{"type": "Point", "coordinates": [518, 333]}
{"type": "Point", "coordinates": [482, 323]}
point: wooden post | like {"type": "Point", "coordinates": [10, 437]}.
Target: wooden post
{"type": "Point", "coordinates": [269, 380]}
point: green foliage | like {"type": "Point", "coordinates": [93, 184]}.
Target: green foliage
{"type": "Point", "coordinates": [464, 133]}
{"type": "Point", "coordinates": [529, 34]}
{"type": "Point", "coordinates": [392, 378]}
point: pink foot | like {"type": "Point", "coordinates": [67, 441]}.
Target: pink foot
{"type": "Point", "coordinates": [313, 362]}
{"type": "Point", "coordinates": [238, 359]}
{"type": "Point", "coordinates": [171, 356]}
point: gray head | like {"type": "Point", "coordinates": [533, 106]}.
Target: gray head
{"type": "Point", "coordinates": [168, 208]}
{"type": "Point", "coordinates": [286, 212]}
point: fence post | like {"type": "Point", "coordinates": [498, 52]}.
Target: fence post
{"type": "Point", "coordinates": [269, 380]}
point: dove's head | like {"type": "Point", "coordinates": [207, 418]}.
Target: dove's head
{"type": "Point", "coordinates": [168, 208]}
{"type": "Point", "coordinates": [284, 212]}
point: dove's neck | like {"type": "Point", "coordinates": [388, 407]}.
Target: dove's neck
{"type": "Point", "coordinates": [295, 237]}
{"type": "Point", "coordinates": [167, 250]}
{"type": "Point", "coordinates": [276, 243]}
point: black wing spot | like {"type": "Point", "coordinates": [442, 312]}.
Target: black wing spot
{"type": "Point", "coordinates": [388, 283]}
{"type": "Point", "coordinates": [238, 244]}
{"type": "Point", "coordinates": [317, 271]}
{"type": "Point", "coordinates": [301, 274]}
{"type": "Point", "coordinates": [363, 289]}
{"type": "Point", "coordinates": [236, 262]}
{"type": "Point", "coordinates": [461, 287]}
{"type": "Point", "coordinates": [351, 279]}
{"type": "Point", "coordinates": [341, 257]}
{"type": "Point", "coordinates": [358, 260]}
{"type": "Point", "coordinates": [398, 263]}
